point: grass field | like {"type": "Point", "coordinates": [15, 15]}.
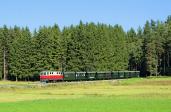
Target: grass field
{"type": "Point", "coordinates": [138, 94]}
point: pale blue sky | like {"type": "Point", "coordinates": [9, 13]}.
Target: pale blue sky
{"type": "Point", "coordinates": [128, 13]}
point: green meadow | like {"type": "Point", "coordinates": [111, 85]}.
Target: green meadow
{"type": "Point", "coordinates": [128, 95]}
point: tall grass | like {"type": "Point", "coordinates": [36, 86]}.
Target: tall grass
{"type": "Point", "coordinates": [137, 94]}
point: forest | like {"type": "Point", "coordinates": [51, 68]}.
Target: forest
{"type": "Point", "coordinates": [85, 47]}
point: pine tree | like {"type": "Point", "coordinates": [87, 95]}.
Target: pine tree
{"type": "Point", "coordinates": [1, 53]}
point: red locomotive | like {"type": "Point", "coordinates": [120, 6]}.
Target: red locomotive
{"type": "Point", "coordinates": [51, 76]}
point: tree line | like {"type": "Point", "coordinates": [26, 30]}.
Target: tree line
{"type": "Point", "coordinates": [85, 47]}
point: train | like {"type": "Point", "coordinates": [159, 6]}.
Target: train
{"type": "Point", "coordinates": [54, 76]}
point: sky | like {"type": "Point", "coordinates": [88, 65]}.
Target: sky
{"type": "Point", "coordinates": [36, 13]}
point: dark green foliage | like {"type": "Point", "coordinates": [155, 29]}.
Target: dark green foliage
{"type": "Point", "coordinates": [20, 54]}
{"type": "Point", "coordinates": [85, 47]}
{"type": "Point", "coordinates": [134, 48]}
{"type": "Point", "coordinates": [1, 53]}
{"type": "Point", "coordinates": [46, 49]}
